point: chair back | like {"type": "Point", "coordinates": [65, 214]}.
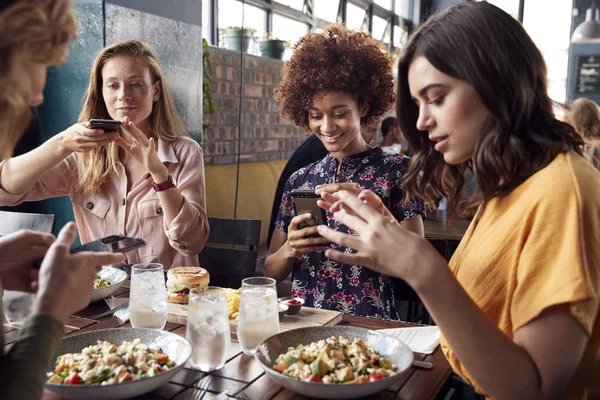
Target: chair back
{"type": "Point", "coordinates": [11, 221]}
{"type": "Point", "coordinates": [226, 262]}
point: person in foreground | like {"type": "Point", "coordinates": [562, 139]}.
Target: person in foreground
{"type": "Point", "coordinates": [336, 83]}
{"type": "Point", "coordinates": [145, 181]}
{"type": "Point", "coordinates": [518, 304]}
{"type": "Point", "coordinates": [33, 35]}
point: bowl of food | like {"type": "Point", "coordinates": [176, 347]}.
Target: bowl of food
{"type": "Point", "coordinates": [108, 281]}
{"type": "Point", "coordinates": [334, 362]}
{"type": "Point", "coordinates": [294, 304]}
{"type": "Point", "coordinates": [116, 363]}
{"type": "Point", "coordinates": [282, 308]}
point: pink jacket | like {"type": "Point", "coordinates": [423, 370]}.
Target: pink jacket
{"type": "Point", "coordinates": [136, 213]}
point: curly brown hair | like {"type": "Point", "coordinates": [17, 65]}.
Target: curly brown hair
{"type": "Point", "coordinates": [336, 60]}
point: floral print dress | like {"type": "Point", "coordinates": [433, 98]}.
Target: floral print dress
{"type": "Point", "coordinates": [324, 283]}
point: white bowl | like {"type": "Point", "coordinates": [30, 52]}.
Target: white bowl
{"type": "Point", "coordinates": [177, 348]}
{"type": "Point", "coordinates": [269, 349]}
{"type": "Point", "coordinates": [115, 276]}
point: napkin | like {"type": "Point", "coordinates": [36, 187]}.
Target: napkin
{"type": "Point", "coordinates": [420, 339]}
{"type": "Point", "coordinates": [113, 302]}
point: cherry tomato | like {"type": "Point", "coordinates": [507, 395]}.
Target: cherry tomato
{"type": "Point", "coordinates": [158, 368]}
{"type": "Point", "coordinates": [315, 378]}
{"type": "Point", "coordinates": [73, 379]}
{"type": "Point", "coordinates": [374, 376]}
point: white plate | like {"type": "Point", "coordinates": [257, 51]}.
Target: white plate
{"type": "Point", "coordinates": [115, 276]}
{"type": "Point", "coordinates": [177, 348]}
{"type": "Point", "coordinates": [269, 349]}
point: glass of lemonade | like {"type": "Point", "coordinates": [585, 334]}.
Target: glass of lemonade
{"type": "Point", "coordinates": [148, 296]}
{"type": "Point", "coordinates": [208, 328]}
{"type": "Point", "coordinates": [258, 318]}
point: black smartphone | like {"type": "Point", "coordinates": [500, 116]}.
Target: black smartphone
{"type": "Point", "coordinates": [113, 244]}
{"type": "Point", "coordinates": [108, 125]}
{"type": "Point", "coordinates": [305, 201]}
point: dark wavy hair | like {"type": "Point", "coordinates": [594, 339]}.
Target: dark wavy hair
{"type": "Point", "coordinates": [336, 60]}
{"type": "Point", "coordinates": [482, 45]}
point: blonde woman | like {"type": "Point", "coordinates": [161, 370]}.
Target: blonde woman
{"type": "Point", "coordinates": [33, 35]}
{"type": "Point", "coordinates": [584, 116]}
{"type": "Point", "coordinates": [147, 180]}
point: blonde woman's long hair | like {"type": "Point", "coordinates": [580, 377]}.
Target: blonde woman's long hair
{"type": "Point", "coordinates": [30, 31]}
{"type": "Point", "coordinates": [96, 165]}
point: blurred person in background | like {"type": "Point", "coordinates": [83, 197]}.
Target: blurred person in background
{"type": "Point", "coordinates": [518, 305]}
{"type": "Point", "coordinates": [584, 116]}
{"type": "Point", "coordinates": [146, 180]}
{"type": "Point", "coordinates": [34, 34]}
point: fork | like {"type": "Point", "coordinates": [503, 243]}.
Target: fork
{"type": "Point", "coordinates": [122, 312]}
{"type": "Point", "coordinates": [242, 396]}
{"type": "Point", "coordinates": [113, 311]}
{"type": "Point", "coordinates": [203, 386]}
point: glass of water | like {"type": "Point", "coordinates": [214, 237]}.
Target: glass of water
{"type": "Point", "coordinates": [208, 328]}
{"type": "Point", "coordinates": [258, 318]}
{"type": "Point", "coordinates": [148, 296]}
{"type": "Point", "coordinates": [17, 306]}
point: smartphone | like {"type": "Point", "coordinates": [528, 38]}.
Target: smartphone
{"type": "Point", "coordinates": [113, 244]}
{"type": "Point", "coordinates": [108, 125]}
{"type": "Point", "coordinates": [305, 201]}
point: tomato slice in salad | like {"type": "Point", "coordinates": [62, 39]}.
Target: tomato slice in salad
{"type": "Point", "coordinates": [373, 376]}
{"type": "Point", "coordinates": [315, 378]}
{"type": "Point", "coordinates": [73, 379]}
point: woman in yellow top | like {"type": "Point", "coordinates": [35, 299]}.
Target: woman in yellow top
{"type": "Point", "coordinates": [518, 304]}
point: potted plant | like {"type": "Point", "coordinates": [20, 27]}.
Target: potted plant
{"type": "Point", "coordinates": [238, 38]}
{"type": "Point", "coordinates": [272, 47]}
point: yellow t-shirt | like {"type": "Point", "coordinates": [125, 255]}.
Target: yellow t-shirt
{"type": "Point", "coordinates": [536, 248]}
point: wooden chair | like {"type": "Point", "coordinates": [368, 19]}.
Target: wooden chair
{"type": "Point", "coordinates": [226, 262]}
{"type": "Point", "coordinates": [14, 221]}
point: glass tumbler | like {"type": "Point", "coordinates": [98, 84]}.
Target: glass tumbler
{"type": "Point", "coordinates": [208, 328]}
{"type": "Point", "coordinates": [148, 296]}
{"type": "Point", "coordinates": [258, 318]}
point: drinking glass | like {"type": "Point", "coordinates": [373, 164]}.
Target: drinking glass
{"type": "Point", "coordinates": [258, 318]}
{"type": "Point", "coordinates": [208, 328]}
{"type": "Point", "coordinates": [17, 306]}
{"type": "Point", "coordinates": [148, 296]}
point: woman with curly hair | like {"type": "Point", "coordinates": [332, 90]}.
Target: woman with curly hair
{"type": "Point", "coordinates": [147, 180]}
{"type": "Point", "coordinates": [584, 116]}
{"type": "Point", "coordinates": [336, 83]}
{"type": "Point", "coordinates": [518, 305]}
{"type": "Point", "coordinates": [34, 34]}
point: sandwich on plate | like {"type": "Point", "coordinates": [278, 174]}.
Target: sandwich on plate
{"type": "Point", "coordinates": [180, 280]}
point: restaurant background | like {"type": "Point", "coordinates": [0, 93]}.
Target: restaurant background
{"type": "Point", "coordinates": [245, 142]}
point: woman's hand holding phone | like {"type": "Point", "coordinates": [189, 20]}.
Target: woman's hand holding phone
{"type": "Point", "coordinates": [78, 138]}
{"type": "Point", "coordinates": [298, 240]}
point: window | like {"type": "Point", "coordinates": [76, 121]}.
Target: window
{"type": "Point", "coordinates": [327, 10]}
{"type": "Point", "coordinates": [400, 37]}
{"type": "Point", "coordinates": [297, 4]}
{"type": "Point", "coordinates": [206, 21]}
{"type": "Point", "coordinates": [402, 8]}
{"type": "Point", "coordinates": [387, 4]}
{"type": "Point", "coordinates": [380, 31]}
{"type": "Point", "coordinates": [355, 17]}
{"type": "Point", "coordinates": [510, 6]}
{"type": "Point", "coordinates": [553, 43]}
{"type": "Point", "coordinates": [289, 30]}
{"type": "Point", "coordinates": [230, 14]}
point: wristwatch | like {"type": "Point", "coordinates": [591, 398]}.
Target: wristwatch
{"type": "Point", "coordinates": [168, 184]}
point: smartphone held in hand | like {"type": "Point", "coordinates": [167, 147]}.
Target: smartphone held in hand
{"type": "Point", "coordinates": [113, 244]}
{"type": "Point", "coordinates": [108, 125]}
{"type": "Point", "coordinates": [305, 202]}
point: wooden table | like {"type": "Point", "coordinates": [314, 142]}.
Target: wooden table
{"type": "Point", "coordinates": [242, 373]}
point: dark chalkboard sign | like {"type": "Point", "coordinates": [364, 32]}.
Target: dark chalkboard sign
{"type": "Point", "coordinates": [588, 75]}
